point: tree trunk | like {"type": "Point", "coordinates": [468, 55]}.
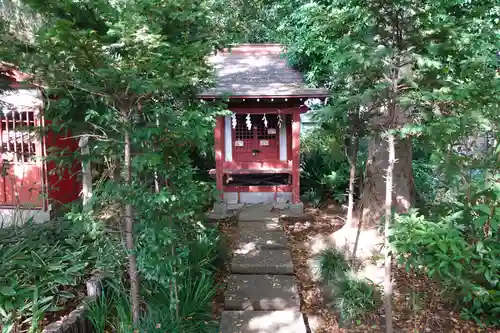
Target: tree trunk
{"type": "Point", "coordinates": [352, 178]}
{"type": "Point", "coordinates": [86, 193]}
{"type": "Point", "coordinates": [387, 250]}
{"type": "Point", "coordinates": [352, 181]}
{"type": "Point", "coordinates": [374, 190]}
{"type": "Point", "coordinates": [129, 229]}
{"type": "Point", "coordinates": [367, 237]}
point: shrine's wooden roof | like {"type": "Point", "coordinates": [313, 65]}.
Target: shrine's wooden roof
{"type": "Point", "coordinates": [257, 71]}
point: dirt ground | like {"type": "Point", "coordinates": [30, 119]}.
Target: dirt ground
{"type": "Point", "coordinates": [430, 313]}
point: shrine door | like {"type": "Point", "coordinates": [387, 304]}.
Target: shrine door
{"type": "Point", "coordinates": [255, 138]}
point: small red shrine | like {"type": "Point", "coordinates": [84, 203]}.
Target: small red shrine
{"type": "Point", "coordinates": [30, 186]}
{"type": "Point", "coordinates": [257, 146]}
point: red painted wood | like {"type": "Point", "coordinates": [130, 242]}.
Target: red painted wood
{"type": "Point", "coordinates": [22, 181]}
{"type": "Point", "coordinates": [249, 171]}
{"type": "Point", "coordinates": [20, 174]}
{"type": "Point", "coordinates": [255, 188]}
{"type": "Point", "coordinates": [289, 138]}
{"type": "Point", "coordinates": [296, 158]}
{"type": "Point", "coordinates": [219, 153]}
{"type": "Point", "coordinates": [63, 184]}
{"type": "Point", "coordinates": [267, 109]}
{"type": "Point", "coordinates": [21, 184]}
{"type": "Point", "coordinates": [252, 140]}
{"type": "Point", "coordinates": [254, 167]}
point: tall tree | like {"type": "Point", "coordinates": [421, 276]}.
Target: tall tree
{"type": "Point", "coordinates": [119, 69]}
{"type": "Point", "coordinates": [411, 64]}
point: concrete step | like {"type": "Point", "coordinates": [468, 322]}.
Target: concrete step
{"type": "Point", "coordinates": [262, 322]}
{"type": "Point", "coordinates": [261, 292]}
{"type": "Point", "coordinates": [260, 225]}
{"type": "Point", "coordinates": [262, 212]}
{"type": "Point", "coordinates": [262, 261]}
{"type": "Point", "coordinates": [257, 238]}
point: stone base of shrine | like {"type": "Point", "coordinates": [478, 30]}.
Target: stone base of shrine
{"type": "Point", "coordinates": [231, 198]}
{"type": "Point", "coordinates": [14, 216]}
{"type": "Point", "coordinates": [236, 200]}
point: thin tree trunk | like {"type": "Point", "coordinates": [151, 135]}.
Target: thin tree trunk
{"type": "Point", "coordinates": [352, 181]}
{"type": "Point", "coordinates": [129, 225]}
{"type": "Point", "coordinates": [388, 254]}
{"type": "Point", "coordinates": [86, 193]}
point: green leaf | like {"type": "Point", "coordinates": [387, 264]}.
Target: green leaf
{"type": "Point", "coordinates": [65, 294]}
{"type": "Point", "coordinates": [483, 209]}
{"type": "Point", "coordinates": [7, 291]}
{"type": "Point", "coordinates": [3, 312]}
{"type": "Point", "coordinates": [442, 246]}
{"type": "Point", "coordinates": [55, 308]}
{"type": "Point", "coordinates": [76, 268]}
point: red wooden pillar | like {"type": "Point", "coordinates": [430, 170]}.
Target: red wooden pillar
{"type": "Point", "coordinates": [219, 154]}
{"type": "Point", "coordinates": [296, 157]}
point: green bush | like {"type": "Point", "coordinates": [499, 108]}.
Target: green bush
{"type": "Point", "coordinates": [352, 297]}
{"type": "Point", "coordinates": [426, 182]}
{"type": "Point", "coordinates": [39, 267]}
{"type": "Point", "coordinates": [180, 305]}
{"type": "Point", "coordinates": [333, 266]}
{"type": "Point", "coordinates": [325, 169]}
{"type": "Point", "coordinates": [448, 250]}
{"type": "Point", "coordinates": [194, 308]}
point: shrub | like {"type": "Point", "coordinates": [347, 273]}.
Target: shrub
{"type": "Point", "coordinates": [193, 312]}
{"type": "Point", "coordinates": [448, 250]}
{"type": "Point", "coordinates": [352, 297]}
{"type": "Point", "coordinates": [355, 298]}
{"type": "Point", "coordinates": [325, 169]}
{"type": "Point", "coordinates": [333, 266]}
{"type": "Point", "coordinates": [40, 269]}
{"type": "Point", "coordinates": [187, 310]}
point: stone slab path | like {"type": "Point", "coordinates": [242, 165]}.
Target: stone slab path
{"type": "Point", "coordinates": [261, 295]}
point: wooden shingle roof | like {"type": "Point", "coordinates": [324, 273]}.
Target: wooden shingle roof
{"type": "Point", "coordinates": [257, 70]}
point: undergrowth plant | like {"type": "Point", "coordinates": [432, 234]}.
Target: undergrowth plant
{"type": "Point", "coordinates": [444, 250]}
{"type": "Point", "coordinates": [325, 168]}
{"type": "Point", "coordinates": [351, 297]}
{"type": "Point", "coordinates": [41, 267]}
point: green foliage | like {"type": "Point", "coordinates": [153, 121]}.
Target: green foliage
{"type": "Point", "coordinates": [333, 265]}
{"type": "Point", "coordinates": [40, 267]}
{"type": "Point", "coordinates": [434, 65]}
{"type": "Point", "coordinates": [111, 309]}
{"type": "Point", "coordinates": [193, 313]}
{"type": "Point", "coordinates": [454, 250]}
{"type": "Point", "coordinates": [351, 297]}
{"type": "Point", "coordinates": [98, 311]}
{"type": "Point", "coordinates": [325, 170]}
{"type": "Point", "coordinates": [355, 298]}
{"type": "Point", "coordinates": [166, 254]}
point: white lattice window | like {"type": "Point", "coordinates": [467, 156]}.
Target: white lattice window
{"type": "Point", "coordinates": [17, 135]}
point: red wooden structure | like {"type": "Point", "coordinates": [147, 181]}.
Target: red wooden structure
{"type": "Point", "coordinates": [29, 185]}
{"type": "Point", "coordinates": [257, 146]}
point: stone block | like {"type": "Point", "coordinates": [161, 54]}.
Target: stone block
{"type": "Point", "coordinates": [261, 213]}
{"type": "Point", "coordinates": [262, 261]}
{"type": "Point", "coordinates": [258, 238]}
{"type": "Point", "coordinates": [262, 322]}
{"type": "Point", "coordinates": [235, 206]}
{"type": "Point", "coordinates": [261, 292]}
{"type": "Point", "coordinates": [220, 208]}
{"type": "Point", "coordinates": [296, 209]}
{"type": "Point", "coordinates": [260, 226]}
{"type": "Point", "coordinates": [281, 206]}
